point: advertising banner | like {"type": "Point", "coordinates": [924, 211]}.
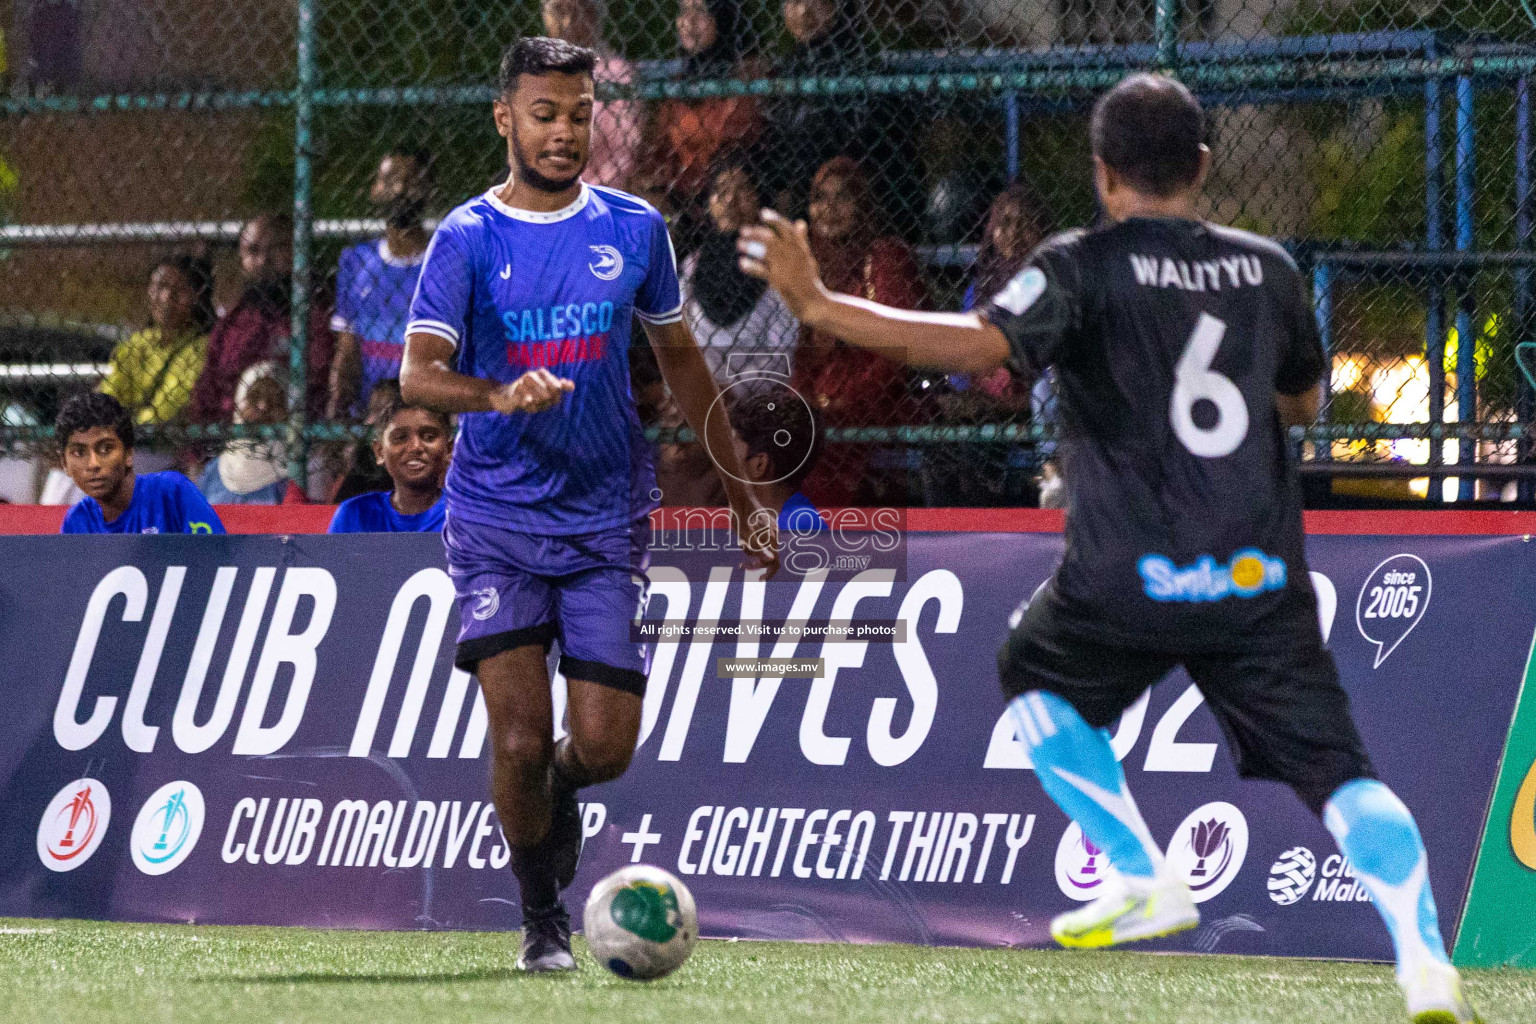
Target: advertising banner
{"type": "Point", "coordinates": [1496, 930]}
{"type": "Point", "coordinates": [269, 730]}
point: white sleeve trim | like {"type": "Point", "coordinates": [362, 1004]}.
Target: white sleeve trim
{"type": "Point", "coordinates": [339, 323]}
{"type": "Point", "coordinates": [670, 317]}
{"type": "Point", "coordinates": [433, 327]}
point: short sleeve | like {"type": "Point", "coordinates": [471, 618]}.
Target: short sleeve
{"type": "Point", "coordinates": [659, 300]}
{"type": "Point", "coordinates": [200, 516]}
{"type": "Point", "coordinates": [443, 291]}
{"type": "Point", "coordinates": [1303, 363]}
{"type": "Point", "coordinates": [1038, 309]}
{"type": "Point", "coordinates": [345, 315]}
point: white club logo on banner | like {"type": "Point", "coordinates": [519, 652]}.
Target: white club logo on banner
{"type": "Point", "coordinates": [167, 828]}
{"type": "Point", "coordinates": [73, 825]}
{"type": "Point", "coordinates": [1208, 848]}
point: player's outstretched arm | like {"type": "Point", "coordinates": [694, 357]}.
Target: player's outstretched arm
{"type": "Point", "coordinates": [688, 378]}
{"type": "Point", "coordinates": [778, 252]}
{"type": "Point", "coordinates": [426, 379]}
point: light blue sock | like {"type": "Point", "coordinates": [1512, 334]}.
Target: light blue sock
{"type": "Point", "coordinates": [1378, 835]}
{"type": "Point", "coordinates": [1079, 771]}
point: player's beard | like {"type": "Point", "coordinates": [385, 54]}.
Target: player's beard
{"type": "Point", "coordinates": [527, 174]}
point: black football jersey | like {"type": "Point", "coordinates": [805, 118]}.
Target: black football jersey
{"type": "Point", "coordinates": [1170, 339]}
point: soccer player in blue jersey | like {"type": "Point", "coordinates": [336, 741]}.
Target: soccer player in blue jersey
{"type": "Point", "coordinates": [413, 445]}
{"type": "Point", "coordinates": [1184, 540]}
{"type": "Point", "coordinates": [97, 435]}
{"type": "Point", "coordinates": [521, 324]}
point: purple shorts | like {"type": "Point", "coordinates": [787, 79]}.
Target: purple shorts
{"type": "Point", "coordinates": [517, 589]}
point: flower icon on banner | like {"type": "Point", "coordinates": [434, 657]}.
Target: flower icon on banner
{"type": "Point", "coordinates": [1207, 839]}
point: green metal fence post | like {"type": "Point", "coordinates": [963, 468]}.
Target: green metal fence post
{"type": "Point", "coordinates": [303, 231]}
{"type": "Point", "coordinates": [1167, 29]}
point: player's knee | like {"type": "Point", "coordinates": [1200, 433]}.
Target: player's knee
{"type": "Point", "coordinates": [524, 751]}
{"type": "Point", "coordinates": [604, 759]}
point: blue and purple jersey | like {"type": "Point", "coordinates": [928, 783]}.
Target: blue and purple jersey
{"type": "Point", "coordinates": [373, 303]}
{"type": "Point", "coordinates": [516, 290]}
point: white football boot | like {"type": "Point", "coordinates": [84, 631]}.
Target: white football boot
{"type": "Point", "coordinates": [1130, 909]}
{"type": "Point", "coordinates": [1433, 992]}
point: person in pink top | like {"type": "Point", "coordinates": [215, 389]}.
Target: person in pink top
{"type": "Point", "coordinates": [617, 124]}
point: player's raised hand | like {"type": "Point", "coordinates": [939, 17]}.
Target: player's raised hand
{"type": "Point", "coordinates": [534, 391]}
{"type": "Point", "coordinates": [779, 251]}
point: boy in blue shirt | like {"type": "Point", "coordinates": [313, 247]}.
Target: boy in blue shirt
{"type": "Point", "coordinates": [97, 435]}
{"type": "Point", "coordinates": [413, 445]}
{"type": "Point", "coordinates": [777, 443]}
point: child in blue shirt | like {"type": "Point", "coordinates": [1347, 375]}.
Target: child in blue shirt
{"type": "Point", "coordinates": [413, 445]}
{"type": "Point", "coordinates": [97, 435]}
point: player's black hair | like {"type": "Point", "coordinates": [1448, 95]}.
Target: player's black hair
{"type": "Point", "coordinates": [386, 402]}
{"type": "Point", "coordinates": [1149, 130]}
{"type": "Point", "coordinates": [767, 413]}
{"type": "Point", "coordinates": [89, 410]}
{"type": "Point", "coordinates": [541, 55]}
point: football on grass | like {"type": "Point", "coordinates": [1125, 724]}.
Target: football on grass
{"type": "Point", "coordinates": [640, 922]}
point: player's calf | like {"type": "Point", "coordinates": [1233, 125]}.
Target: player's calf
{"type": "Point", "coordinates": [1379, 836]}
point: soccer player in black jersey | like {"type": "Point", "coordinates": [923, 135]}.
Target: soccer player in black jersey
{"type": "Point", "coordinates": [1181, 349]}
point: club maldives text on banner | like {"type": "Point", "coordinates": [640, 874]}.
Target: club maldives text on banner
{"type": "Point", "coordinates": [269, 730]}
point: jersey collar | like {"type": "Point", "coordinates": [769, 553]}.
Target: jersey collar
{"type": "Point", "coordinates": [535, 217]}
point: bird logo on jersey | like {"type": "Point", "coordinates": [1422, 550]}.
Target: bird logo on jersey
{"type": "Point", "coordinates": [487, 603]}
{"type": "Point", "coordinates": [608, 265]}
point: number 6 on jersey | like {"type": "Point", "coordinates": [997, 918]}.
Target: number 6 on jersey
{"type": "Point", "coordinates": [1193, 380]}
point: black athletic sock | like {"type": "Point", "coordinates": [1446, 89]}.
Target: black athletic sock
{"type": "Point", "coordinates": [536, 877]}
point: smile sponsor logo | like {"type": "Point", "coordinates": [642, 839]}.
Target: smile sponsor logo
{"type": "Point", "coordinates": [1392, 601]}
{"type": "Point", "coordinates": [1522, 821]}
{"type": "Point", "coordinates": [73, 825]}
{"type": "Point", "coordinates": [1208, 848]}
{"type": "Point", "coordinates": [1250, 573]}
{"type": "Point", "coordinates": [167, 828]}
{"type": "Point", "coordinates": [1292, 875]}
{"type": "Point", "coordinates": [1081, 867]}
{"type": "Point", "coordinates": [607, 263]}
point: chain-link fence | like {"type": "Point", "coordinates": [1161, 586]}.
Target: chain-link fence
{"type": "Point", "coordinates": [216, 211]}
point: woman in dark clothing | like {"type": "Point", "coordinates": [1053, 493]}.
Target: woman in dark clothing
{"type": "Point", "coordinates": [688, 133]}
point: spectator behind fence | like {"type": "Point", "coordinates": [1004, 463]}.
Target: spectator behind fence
{"type": "Point", "coordinates": [777, 445]}
{"type": "Point", "coordinates": [363, 472]}
{"type": "Point", "coordinates": [254, 471]}
{"type": "Point", "coordinates": [1016, 223]}
{"type": "Point", "coordinates": [154, 371]}
{"type": "Point", "coordinates": [617, 125]}
{"type": "Point", "coordinates": [413, 445]}
{"type": "Point", "coordinates": [804, 132]}
{"type": "Point", "coordinates": [976, 474]}
{"type": "Point", "coordinates": [375, 282]}
{"type": "Point", "coordinates": [852, 387]}
{"type": "Point", "coordinates": [687, 133]}
{"type": "Point", "coordinates": [727, 310]}
{"type": "Point", "coordinates": [96, 435]}
{"type": "Point", "coordinates": [259, 327]}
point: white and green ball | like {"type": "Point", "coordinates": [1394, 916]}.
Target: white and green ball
{"type": "Point", "coordinates": [640, 922]}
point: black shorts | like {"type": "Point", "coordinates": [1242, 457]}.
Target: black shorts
{"type": "Point", "coordinates": [1280, 705]}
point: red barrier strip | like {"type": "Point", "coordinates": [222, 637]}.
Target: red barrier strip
{"type": "Point", "coordinates": [291, 519]}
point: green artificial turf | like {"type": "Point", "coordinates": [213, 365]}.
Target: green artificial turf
{"type": "Point", "coordinates": [85, 972]}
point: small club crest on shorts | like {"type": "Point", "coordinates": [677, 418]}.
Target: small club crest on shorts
{"type": "Point", "coordinates": [487, 603]}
